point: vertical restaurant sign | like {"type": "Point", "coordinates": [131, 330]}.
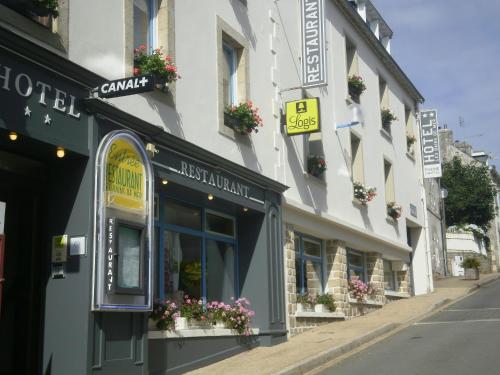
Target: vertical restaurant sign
{"type": "Point", "coordinates": [302, 116]}
{"type": "Point", "coordinates": [313, 43]}
{"type": "Point", "coordinates": [125, 177]}
{"type": "Point", "coordinates": [430, 144]}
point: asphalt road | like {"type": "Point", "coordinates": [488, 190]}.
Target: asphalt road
{"type": "Point", "coordinates": [463, 339]}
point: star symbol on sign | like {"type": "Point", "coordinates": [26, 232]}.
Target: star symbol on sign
{"type": "Point", "coordinates": [27, 111]}
{"type": "Point", "coordinates": [47, 120]}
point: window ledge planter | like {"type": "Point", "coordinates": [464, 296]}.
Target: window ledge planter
{"type": "Point", "coordinates": [386, 134]}
{"type": "Point", "coordinates": [365, 302]}
{"type": "Point", "coordinates": [316, 165]}
{"type": "Point", "coordinates": [313, 314]}
{"type": "Point", "coordinates": [411, 155]}
{"type": "Point", "coordinates": [392, 293]}
{"type": "Point", "coordinates": [243, 118]}
{"type": "Point", "coordinates": [187, 333]}
{"type": "Point", "coordinates": [364, 194]}
{"type": "Point", "coordinates": [304, 307]}
{"type": "Point", "coordinates": [355, 87]}
{"type": "Point", "coordinates": [394, 210]}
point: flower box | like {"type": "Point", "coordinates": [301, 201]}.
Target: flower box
{"type": "Point", "coordinates": [243, 118]}
{"type": "Point", "coordinates": [316, 165]}
{"type": "Point", "coordinates": [364, 194]}
{"type": "Point", "coordinates": [303, 307]}
{"type": "Point", "coordinates": [387, 118]}
{"type": "Point", "coordinates": [320, 308]}
{"type": "Point", "coordinates": [356, 87]}
{"type": "Point", "coordinates": [156, 63]}
{"type": "Point", "coordinates": [180, 323]}
{"type": "Point", "coordinates": [394, 210]}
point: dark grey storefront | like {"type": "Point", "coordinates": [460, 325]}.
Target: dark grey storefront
{"type": "Point", "coordinates": [46, 322]}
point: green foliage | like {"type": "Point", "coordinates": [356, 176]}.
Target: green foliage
{"type": "Point", "coordinates": [356, 85]}
{"type": "Point", "coordinates": [316, 165]}
{"type": "Point", "coordinates": [156, 63]}
{"type": "Point", "coordinates": [471, 263]}
{"type": "Point", "coordinates": [50, 5]}
{"type": "Point", "coordinates": [470, 194]}
{"type": "Point", "coordinates": [387, 117]}
{"type": "Point", "coordinates": [495, 175]}
{"type": "Point", "coordinates": [244, 118]}
{"type": "Point", "coordinates": [327, 300]}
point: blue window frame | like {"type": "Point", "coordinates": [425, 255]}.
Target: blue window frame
{"type": "Point", "coordinates": [308, 264]}
{"type": "Point", "coordinates": [230, 75]}
{"type": "Point", "coordinates": [145, 12]}
{"type": "Point", "coordinates": [356, 265]}
{"type": "Point", "coordinates": [197, 252]}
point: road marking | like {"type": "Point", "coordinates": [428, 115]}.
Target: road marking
{"type": "Point", "coordinates": [478, 309]}
{"type": "Point", "coordinates": [457, 321]}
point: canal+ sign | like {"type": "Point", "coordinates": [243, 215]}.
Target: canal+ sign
{"type": "Point", "coordinates": [126, 86]}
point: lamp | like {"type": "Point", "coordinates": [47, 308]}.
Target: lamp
{"type": "Point", "coordinates": [13, 136]}
{"type": "Point", "coordinates": [60, 152]}
{"type": "Point", "coordinates": [210, 197]}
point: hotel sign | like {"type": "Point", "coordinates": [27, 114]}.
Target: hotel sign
{"type": "Point", "coordinates": [126, 86]}
{"type": "Point", "coordinates": [313, 43]}
{"type": "Point", "coordinates": [302, 116]}
{"type": "Point", "coordinates": [430, 144]}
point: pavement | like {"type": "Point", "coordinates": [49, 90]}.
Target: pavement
{"type": "Point", "coordinates": [316, 347]}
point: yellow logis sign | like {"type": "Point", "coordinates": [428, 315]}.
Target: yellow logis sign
{"type": "Point", "coordinates": [302, 116]}
{"type": "Point", "coordinates": [125, 177]}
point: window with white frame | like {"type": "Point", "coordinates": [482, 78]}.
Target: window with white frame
{"type": "Point", "coordinates": [229, 75]}
{"type": "Point", "coordinates": [356, 269]}
{"type": "Point", "coordinates": [308, 265]}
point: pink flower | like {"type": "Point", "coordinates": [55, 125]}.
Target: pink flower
{"type": "Point", "coordinates": [137, 71]}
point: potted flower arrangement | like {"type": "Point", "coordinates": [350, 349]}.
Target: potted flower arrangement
{"type": "Point", "coordinates": [394, 210]}
{"type": "Point", "coordinates": [159, 65]}
{"type": "Point", "coordinates": [305, 302]}
{"type": "Point", "coordinates": [192, 314]}
{"type": "Point", "coordinates": [410, 140]}
{"type": "Point", "coordinates": [363, 193]}
{"type": "Point", "coordinates": [243, 118]}
{"type": "Point", "coordinates": [40, 8]}
{"type": "Point", "coordinates": [239, 316]}
{"type": "Point", "coordinates": [356, 86]}
{"type": "Point", "coordinates": [164, 315]}
{"type": "Point", "coordinates": [471, 266]}
{"type": "Point", "coordinates": [387, 117]}
{"type": "Point", "coordinates": [316, 165]}
{"type": "Point", "coordinates": [218, 312]}
{"type": "Point", "coordinates": [324, 303]}
{"type": "Point", "coordinates": [360, 290]}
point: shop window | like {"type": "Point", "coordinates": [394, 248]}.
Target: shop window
{"type": "Point", "coordinates": [232, 62]}
{"type": "Point", "coordinates": [356, 269]}
{"type": "Point", "coordinates": [197, 253]}
{"type": "Point", "coordinates": [308, 265]}
{"type": "Point", "coordinates": [389, 182]}
{"type": "Point", "coordinates": [357, 168]}
{"type": "Point", "coordinates": [389, 279]}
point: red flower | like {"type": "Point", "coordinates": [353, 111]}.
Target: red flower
{"type": "Point", "coordinates": [137, 71]}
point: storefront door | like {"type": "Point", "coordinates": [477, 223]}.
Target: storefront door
{"type": "Point", "coordinates": [21, 274]}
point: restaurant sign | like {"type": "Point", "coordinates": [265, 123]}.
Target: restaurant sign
{"type": "Point", "coordinates": [123, 239]}
{"type": "Point", "coordinates": [313, 43]}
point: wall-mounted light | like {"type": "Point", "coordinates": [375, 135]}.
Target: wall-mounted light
{"type": "Point", "coordinates": [12, 136]}
{"type": "Point", "coordinates": [60, 152]}
{"type": "Point", "coordinates": [210, 197]}
{"type": "Point", "coordinates": [164, 182]}
{"type": "Point", "coordinates": [245, 209]}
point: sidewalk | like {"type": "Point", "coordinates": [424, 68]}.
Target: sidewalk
{"type": "Point", "coordinates": [313, 348]}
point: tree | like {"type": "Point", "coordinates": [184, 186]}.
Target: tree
{"type": "Point", "coordinates": [495, 175]}
{"type": "Point", "coordinates": [470, 194]}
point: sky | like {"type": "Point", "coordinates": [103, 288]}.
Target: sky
{"type": "Point", "coordinates": [450, 50]}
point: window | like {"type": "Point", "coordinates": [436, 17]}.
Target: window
{"type": "Point", "coordinates": [389, 182]}
{"type": "Point", "coordinates": [410, 135]}
{"type": "Point", "coordinates": [144, 23]}
{"type": "Point", "coordinates": [384, 100]}
{"type": "Point", "coordinates": [357, 169]}
{"type": "Point", "coordinates": [355, 265]}
{"type": "Point", "coordinates": [389, 279]}
{"type": "Point", "coordinates": [229, 81]}
{"type": "Point", "coordinates": [232, 57]}
{"type": "Point", "coordinates": [197, 254]}
{"type": "Point", "coordinates": [308, 265]}
{"type": "Point", "coordinates": [36, 21]}
{"type": "Point", "coordinates": [351, 58]}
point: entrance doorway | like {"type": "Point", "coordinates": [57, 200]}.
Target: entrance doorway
{"type": "Point", "coordinates": [21, 189]}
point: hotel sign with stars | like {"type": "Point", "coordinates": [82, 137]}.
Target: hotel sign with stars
{"type": "Point", "coordinates": [430, 144]}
